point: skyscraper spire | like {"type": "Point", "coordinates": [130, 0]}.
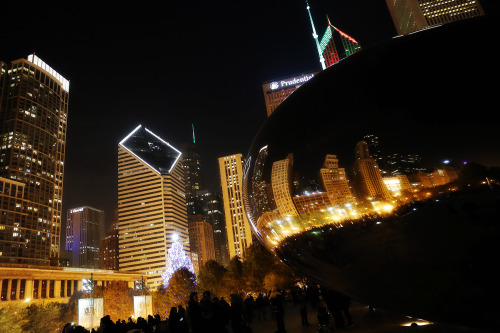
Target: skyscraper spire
{"type": "Point", "coordinates": [194, 140]}
{"type": "Point", "coordinates": [321, 59]}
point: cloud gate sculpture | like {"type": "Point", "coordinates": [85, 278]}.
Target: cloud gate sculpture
{"type": "Point", "coordinates": [379, 177]}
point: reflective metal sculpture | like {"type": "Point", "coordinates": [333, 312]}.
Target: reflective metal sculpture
{"type": "Point", "coordinates": [347, 180]}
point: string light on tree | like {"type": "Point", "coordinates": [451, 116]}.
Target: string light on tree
{"type": "Point", "coordinates": [176, 258]}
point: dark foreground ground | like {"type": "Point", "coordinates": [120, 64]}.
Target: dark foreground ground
{"type": "Point", "coordinates": [364, 321]}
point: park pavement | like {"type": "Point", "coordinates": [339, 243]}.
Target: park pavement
{"type": "Point", "coordinates": [364, 321]}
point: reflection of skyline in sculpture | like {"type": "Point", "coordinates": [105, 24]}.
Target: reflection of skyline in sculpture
{"type": "Point", "coordinates": [367, 175]}
{"type": "Point", "coordinates": [281, 181]}
{"type": "Point", "coordinates": [334, 198]}
{"type": "Point", "coordinates": [429, 249]}
{"type": "Point", "coordinates": [335, 181]}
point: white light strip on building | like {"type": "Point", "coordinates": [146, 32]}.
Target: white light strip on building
{"type": "Point", "coordinates": [156, 136]}
{"type": "Point", "coordinates": [168, 144]}
{"type": "Point", "coordinates": [37, 61]}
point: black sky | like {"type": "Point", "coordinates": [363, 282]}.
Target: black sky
{"type": "Point", "coordinates": [169, 65]}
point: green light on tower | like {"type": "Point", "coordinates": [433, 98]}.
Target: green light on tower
{"type": "Point", "coordinates": [194, 140]}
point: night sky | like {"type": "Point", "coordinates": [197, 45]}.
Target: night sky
{"type": "Point", "coordinates": [168, 65]}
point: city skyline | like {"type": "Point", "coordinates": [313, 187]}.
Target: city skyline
{"type": "Point", "coordinates": [106, 101]}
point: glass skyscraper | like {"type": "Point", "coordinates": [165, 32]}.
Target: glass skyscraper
{"type": "Point", "coordinates": [33, 122]}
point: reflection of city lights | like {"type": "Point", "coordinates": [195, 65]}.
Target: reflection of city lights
{"type": "Point", "coordinates": [416, 322]}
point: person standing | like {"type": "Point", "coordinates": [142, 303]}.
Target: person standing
{"type": "Point", "coordinates": [278, 308]}
{"type": "Point", "coordinates": [302, 302]}
{"type": "Point", "coordinates": [194, 313]}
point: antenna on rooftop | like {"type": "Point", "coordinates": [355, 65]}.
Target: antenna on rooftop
{"type": "Point", "coordinates": [194, 140]}
{"type": "Point", "coordinates": [315, 35]}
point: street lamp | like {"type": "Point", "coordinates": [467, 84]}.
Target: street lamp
{"type": "Point", "coordinates": [88, 285]}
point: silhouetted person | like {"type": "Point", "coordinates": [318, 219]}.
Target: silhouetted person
{"type": "Point", "coordinates": [333, 302]}
{"type": "Point", "coordinates": [194, 313]}
{"type": "Point", "coordinates": [302, 302]}
{"type": "Point", "coordinates": [207, 313]}
{"type": "Point", "coordinates": [183, 322]}
{"type": "Point", "coordinates": [238, 324]}
{"type": "Point", "coordinates": [173, 320]}
{"type": "Point", "coordinates": [278, 308]}
{"type": "Point", "coordinates": [249, 307]}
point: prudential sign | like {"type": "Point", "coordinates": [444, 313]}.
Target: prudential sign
{"type": "Point", "coordinates": [290, 82]}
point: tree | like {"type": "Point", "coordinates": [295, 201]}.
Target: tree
{"type": "Point", "coordinates": [118, 300]}
{"type": "Point", "coordinates": [257, 264]}
{"type": "Point", "coordinates": [212, 277]}
{"type": "Point", "coordinates": [182, 284]}
{"type": "Point", "coordinates": [42, 318]}
{"type": "Point", "coordinates": [160, 302]}
{"type": "Point", "coordinates": [13, 318]}
{"type": "Point", "coordinates": [176, 258]}
{"type": "Point", "coordinates": [235, 280]}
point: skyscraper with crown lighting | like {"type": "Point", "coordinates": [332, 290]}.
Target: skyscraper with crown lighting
{"type": "Point", "coordinates": [151, 203]}
{"type": "Point", "coordinates": [33, 121]}
{"type": "Point", "coordinates": [337, 45]}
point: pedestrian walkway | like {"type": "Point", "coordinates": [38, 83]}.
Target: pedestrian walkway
{"type": "Point", "coordinates": [364, 321]}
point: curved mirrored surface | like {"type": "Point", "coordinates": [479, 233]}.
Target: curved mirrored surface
{"type": "Point", "coordinates": [380, 178]}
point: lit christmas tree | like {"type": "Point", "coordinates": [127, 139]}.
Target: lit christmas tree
{"type": "Point", "coordinates": [176, 258]}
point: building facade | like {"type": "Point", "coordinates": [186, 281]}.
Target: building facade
{"type": "Point", "coordinates": [28, 284]}
{"type": "Point", "coordinates": [239, 234]}
{"type": "Point", "coordinates": [151, 203]}
{"type": "Point", "coordinates": [109, 249]}
{"type": "Point", "coordinates": [33, 121]}
{"type": "Point", "coordinates": [413, 15]}
{"type": "Point", "coordinates": [84, 233]}
{"type": "Point", "coordinates": [201, 240]}
{"type": "Point", "coordinates": [192, 168]}
{"type": "Point", "coordinates": [276, 91]}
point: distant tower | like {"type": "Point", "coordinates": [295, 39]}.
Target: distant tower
{"type": "Point", "coordinates": [192, 169]}
{"type": "Point", "coordinates": [315, 35]}
{"type": "Point", "coordinates": [151, 203]}
{"type": "Point", "coordinates": [84, 233]}
{"type": "Point", "coordinates": [337, 45]}
{"type": "Point", "coordinates": [367, 176]}
{"type": "Point", "coordinates": [33, 122]}
{"type": "Point", "coordinates": [201, 240]}
{"type": "Point", "coordinates": [109, 247]}
{"type": "Point", "coordinates": [239, 234]}
{"type": "Point", "coordinates": [413, 15]}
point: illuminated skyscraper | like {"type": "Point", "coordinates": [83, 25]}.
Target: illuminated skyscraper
{"type": "Point", "coordinates": [151, 203]}
{"type": "Point", "coordinates": [109, 249]}
{"type": "Point", "coordinates": [337, 45]}
{"type": "Point", "coordinates": [33, 121]}
{"type": "Point", "coordinates": [84, 233]}
{"type": "Point", "coordinates": [201, 240]}
{"type": "Point", "coordinates": [191, 164]}
{"type": "Point", "coordinates": [367, 176]}
{"type": "Point", "coordinates": [276, 91]}
{"type": "Point", "coordinates": [413, 15]}
{"type": "Point", "coordinates": [239, 234]}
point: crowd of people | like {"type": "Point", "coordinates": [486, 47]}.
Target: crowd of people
{"type": "Point", "coordinates": [207, 314]}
